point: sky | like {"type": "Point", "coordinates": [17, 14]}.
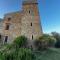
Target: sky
{"type": "Point", "coordinates": [49, 11]}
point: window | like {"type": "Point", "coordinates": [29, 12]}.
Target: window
{"type": "Point", "coordinates": [29, 11]}
{"type": "Point", "coordinates": [7, 27]}
{"type": "Point", "coordinates": [32, 37]}
{"type": "Point", "coordinates": [6, 38]}
{"type": "Point", "coordinates": [0, 36]}
{"type": "Point", "coordinates": [9, 19]}
{"type": "Point", "coordinates": [31, 24]}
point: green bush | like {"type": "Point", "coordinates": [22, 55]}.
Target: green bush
{"type": "Point", "coordinates": [16, 50]}
{"type": "Point", "coordinates": [20, 41]}
{"type": "Point", "coordinates": [21, 54]}
{"type": "Point", "coordinates": [45, 41]}
{"type": "Point", "coordinates": [25, 54]}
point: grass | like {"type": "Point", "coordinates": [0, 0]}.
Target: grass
{"type": "Point", "coordinates": [50, 54]}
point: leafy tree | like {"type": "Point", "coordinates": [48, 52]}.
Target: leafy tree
{"type": "Point", "coordinates": [57, 36]}
{"type": "Point", "coordinates": [45, 41]}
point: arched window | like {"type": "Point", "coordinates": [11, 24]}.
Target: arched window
{"type": "Point", "coordinates": [0, 36]}
{"type": "Point", "coordinates": [31, 23]}
{"type": "Point", "coordinates": [32, 37]}
{"type": "Point", "coordinates": [29, 11]}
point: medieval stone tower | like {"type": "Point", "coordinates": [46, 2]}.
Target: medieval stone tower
{"type": "Point", "coordinates": [31, 21]}
{"type": "Point", "coordinates": [25, 22]}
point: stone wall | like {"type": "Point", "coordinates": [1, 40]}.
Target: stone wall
{"type": "Point", "coordinates": [31, 15]}
{"type": "Point", "coordinates": [25, 22]}
{"type": "Point", "coordinates": [14, 26]}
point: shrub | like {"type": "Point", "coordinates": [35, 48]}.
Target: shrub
{"type": "Point", "coordinates": [10, 52]}
{"type": "Point", "coordinates": [25, 54]}
{"type": "Point", "coordinates": [57, 45]}
{"type": "Point", "coordinates": [51, 41]}
{"type": "Point", "coordinates": [20, 41]}
{"type": "Point", "coordinates": [45, 41]}
{"type": "Point", "coordinates": [21, 54]}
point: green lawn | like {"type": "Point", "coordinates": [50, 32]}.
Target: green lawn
{"type": "Point", "coordinates": [50, 54]}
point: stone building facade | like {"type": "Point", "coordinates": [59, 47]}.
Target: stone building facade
{"type": "Point", "coordinates": [26, 22]}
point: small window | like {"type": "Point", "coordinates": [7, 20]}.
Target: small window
{"type": "Point", "coordinates": [31, 24]}
{"type": "Point", "coordinates": [32, 37]}
{"type": "Point", "coordinates": [29, 11]}
{"type": "Point", "coordinates": [6, 38]}
{"type": "Point", "coordinates": [7, 27]}
{"type": "Point", "coordinates": [0, 36]}
{"type": "Point", "coordinates": [9, 19]}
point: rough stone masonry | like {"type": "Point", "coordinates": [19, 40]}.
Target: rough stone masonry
{"type": "Point", "coordinates": [25, 22]}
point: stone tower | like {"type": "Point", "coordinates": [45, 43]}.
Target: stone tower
{"type": "Point", "coordinates": [31, 26]}
{"type": "Point", "coordinates": [25, 22]}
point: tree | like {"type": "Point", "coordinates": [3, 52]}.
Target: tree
{"type": "Point", "coordinates": [44, 41]}
{"type": "Point", "coordinates": [57, 36]}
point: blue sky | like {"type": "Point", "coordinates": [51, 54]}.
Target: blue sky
{"type": "Point", "coordinates": [49, 12]}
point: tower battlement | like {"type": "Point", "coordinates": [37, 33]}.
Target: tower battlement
{"type": "Point", "coordinates": [30, 2]}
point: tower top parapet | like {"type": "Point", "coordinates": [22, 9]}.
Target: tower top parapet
{"type": "Point", "coordinates": [30, 2]}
